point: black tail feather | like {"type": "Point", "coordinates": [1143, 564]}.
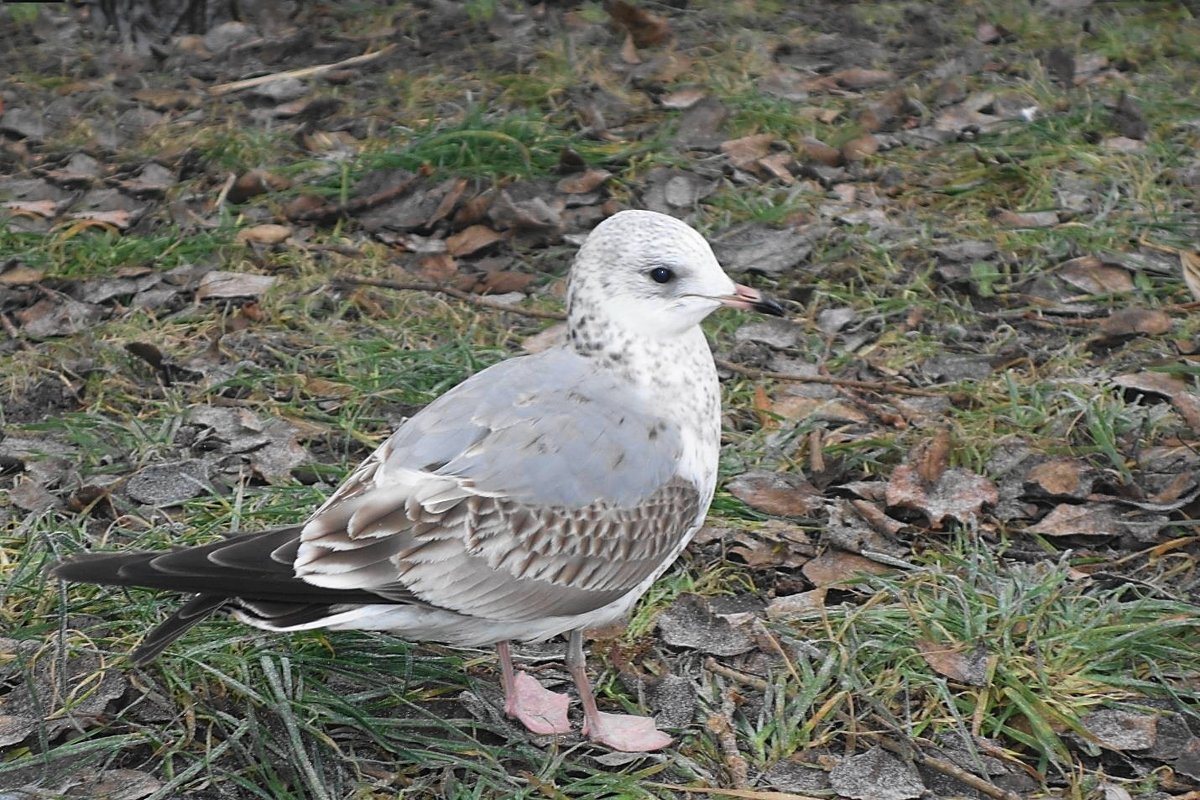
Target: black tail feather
{"type": "Point", "coordinates": [252, 572]}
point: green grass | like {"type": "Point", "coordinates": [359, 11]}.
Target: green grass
{"type": "Point", "coordinates": [337, 715]}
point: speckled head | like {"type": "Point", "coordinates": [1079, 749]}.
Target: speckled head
{"type": "Point", "coordinates": [646, 274]}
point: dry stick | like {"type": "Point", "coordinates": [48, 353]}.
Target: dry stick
{"type": "Point", "coordinates": [303, 72]}
{"type": "Point", "coordinates": [751, 372]}
{"type": "Point", "coordinates": [712, 665]}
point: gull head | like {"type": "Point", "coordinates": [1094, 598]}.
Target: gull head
{"type": "Point", "coordinates": [652, 275]}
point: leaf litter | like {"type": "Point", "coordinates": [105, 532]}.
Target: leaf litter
{"type": "Point", "coordinates": [896, 182]}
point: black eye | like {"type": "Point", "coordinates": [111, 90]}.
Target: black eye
{"type": "Point", "coordinates": [661, 274]}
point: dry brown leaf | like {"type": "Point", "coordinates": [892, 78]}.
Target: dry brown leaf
{"type": "Point", "coordinates": [1134, 322]}
{"type": "Point", "coordinates": [233, 284]}
{"type": "Point", "coordinates": [119, 219]}
{"type": "Point", "coordinates": [471, 240]}
{"type": "Point", "coordinates": [1060, 478]}
{"type": "Point", "coordinates": [1189, 263]}
{"type": "Point", "coordinates": [859, 148]}
{"type": "Point", "coordinates": [958, 493]}
{"type": "Point", "coordinates": [265, 234]}
{"type": "Point", "coordinates": [931, 458]}
{"type": "Point", "coordinates": [1066, 519]}
{"type": "Point", "coordinates": [438, 268]}
{"type": "Point", "coordinates": [778, 164]}
{"type": "Point", "coordinates": [503, 282]}
{"type": "Point", "coordinates": [1091, 275]}
{"type": "Point", "coordinates": [777, 493]}
{"type": "Point", "coordinates": [629, 53]}
{"type": "Point", "coordinates": [795, 605]}
{"type": "Point", "coordinates": [645, 29]}
{"type": "Point", "coordinates": [970, 668]}
{"type": "Point", "coordinates": [795, 406]}
{"type": "Point", "coordinates": [836, 567]}
{"type": "Point", "coordinates": [813, 149]}
{"type": "Point", "coordinates": [33, 208]}
{"type": "Point", "coordinates": [682, 99]}
{"type": "Point", "coordinates": [859, 78]}
{"type": "Point", "coordinates": [553, 336]}
{"type": "Point", "coordinates": [745, 152]}
{"type": "Point", "coordinates": [761, 405]}
{"type": "Point", "coordinates": [587, 181]}
{"type": "Point", "coordinates": [20, 274]}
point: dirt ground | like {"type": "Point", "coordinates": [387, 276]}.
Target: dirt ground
{"type": "Point", "coordinates": [953, 553]}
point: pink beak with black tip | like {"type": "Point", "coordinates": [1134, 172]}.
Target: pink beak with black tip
{"type": "Point", "coordinates": [749, 299]}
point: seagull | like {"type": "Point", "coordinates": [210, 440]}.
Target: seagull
{"type": "Point", "coordinates": [539, 497]}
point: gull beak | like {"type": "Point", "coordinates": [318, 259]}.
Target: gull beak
{"type": "Point", "coordinates": [748, 299]}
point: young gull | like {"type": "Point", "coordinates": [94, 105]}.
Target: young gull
{"type": "Point", "coordinates": [541, 496]}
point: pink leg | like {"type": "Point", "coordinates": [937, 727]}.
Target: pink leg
{"type": "Point", "coordinates": [536, 707]}
{"type": "Point", "coordinates": [625, 732]}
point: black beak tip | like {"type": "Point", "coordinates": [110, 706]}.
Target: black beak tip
{"type": "Point", "coordinates": [769, 305]}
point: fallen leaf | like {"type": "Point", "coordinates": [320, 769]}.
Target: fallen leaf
{"type": "Point", "coordinates": [779, 166]}
{"type": "Point", "coordinates": [932, 457]}
{"type": "Point", "coordinates": [876, 775]}
{"type": "Point", "coordinates": [629, 53]}
{"type": "Point", "coordinates": [503, 282]}
{"type": "Point", "coordinates": [791, 606]}
{"type": "Point", "coordinates": [264, 234]}
{"type": "Point", "coordinates": [1067, 519]}
{"type": "Point", "coordinates": [1123, 144]}
{"type": "Point", "coordinates": [684, 98]}
{"type": "Point", "coordinates": [585, 182]}
{"type": "Point", "coordinates": [1091, 275]}
{"type": "Point", "coordinates": [690, 622]}
{"type": "Point", "coordinates": [20, 274]}
{"type": "Point", "coordinates": [1114, 729]}
{"type": "Point", "coordinates": [645, 29]}
{"type": "Point", "coordinates": [859, 148]}
{"type": "Point", "coordinates": [815, 150]}
{"type": "Point", "coordinates": [1061, 477]}
{"type": "Point", "coordinates": [859, 78]}
{"type": "Point", "coordinates": [45, 209]}
{"type": "Point", "coordinates": [949, 661]}
{"type": "Point", "coordinates": [117, 218]}
{"type": "Point", "coordinates": [57, 315]}
{"type": "Point", "coordinates": [778, 493]}
{"type": "Point", "coordinates": [437, 267]}
{"type": "Point", "coordinates": [958, 493]}
{"type": "Point", "coordinates": [472, 240]}
{"type": "Point", "coordinates": [1128, 322]}
{"type": "Point", "coordinates": [834, 568]}
{"type": "Point", "coordinates": [233, 284]}
{"type": "Point", "coordinates": [744, 152]}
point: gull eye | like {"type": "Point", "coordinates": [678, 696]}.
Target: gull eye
{"type": "Point", "coordinates": [661, 275]}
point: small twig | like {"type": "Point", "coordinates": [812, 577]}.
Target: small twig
{"type": "Point", "coordinates": [457, 294]}
{"type": "Point", "coordinates": [229, 182]}
{"type": "Point", "coordinates": [303, 72]}
{"type": "Point", "coordinates": [721, 725]}
{"type": "Point", "coordinates": [752, 681]}
{"type": "Point", "coordinates": [848, 383]}
{"type": "Point", "coordinates": [358, 205]}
